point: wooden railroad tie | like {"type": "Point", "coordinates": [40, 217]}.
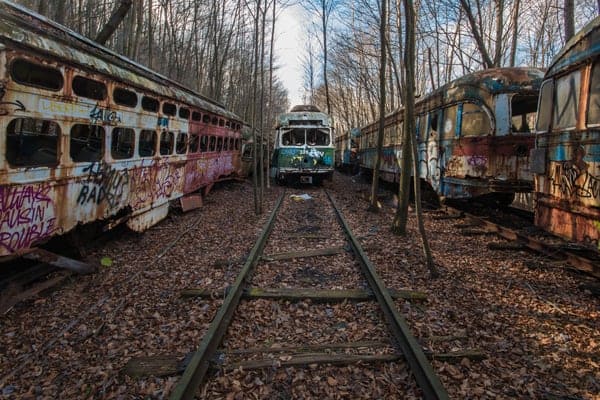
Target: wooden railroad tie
{"type": "Point", "coordinates": [300, 356]}
{"type": "Point", "coordinates": [324, 295]}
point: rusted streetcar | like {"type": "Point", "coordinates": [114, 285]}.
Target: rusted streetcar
{"type": "Point", "coordinates": [566, 161]}
{"type": "Point", "coordinates": [303, 149]}
{"type": "Point", "coordinates": [474, 136]}
{"type": "Point", "coordinates": [90, 136]}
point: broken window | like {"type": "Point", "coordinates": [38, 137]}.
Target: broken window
{"type": "Point", "coordinates": [169, 109]}
{"type": "Point", "coordinates": [523, 113]}
{"type": "Point", "coordinates": [166, 143]}
{"type": "Point", "coordinates": [32, 142]}
{"type": "Point", "coordinates": [89, 88]}
{"type": "Point", "coordinates": [122, 143]}
{"type": "Point", "coordinates": [149, 104]}
{"type": "Point", "coordinates": [184, 113]}
{"type": "Point", "coordinates": [147, 143]}
{"type": "Point", "coordinates": [566, 101]}
{"type": "Point", "coordinates": [204, 144]}
{"type": "Point", "coordinates": [125, 97]}
{"type": "Point", "coordinates": [86, 143]}
{"type": "Point", "coordinates": [293, 137]}
{"type": "Point", "coordinates": [194, 143]}
{"type": "Point", "coordinates": [181, 146]}
{"type": "Point", "coordinates": [31, 74]}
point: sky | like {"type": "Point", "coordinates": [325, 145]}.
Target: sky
{"type": "Point", "coordinates": [289, 41]}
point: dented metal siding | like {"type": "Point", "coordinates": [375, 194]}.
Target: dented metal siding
{"type": "Point", "coordinates": [463, 167]}
{"type": "Point", "coordinates": [37, 203]}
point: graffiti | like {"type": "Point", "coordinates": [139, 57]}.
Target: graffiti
{"type": "Point", "coordinates": [572, 179]}
{"type": "Point", "coordinates": [98, 115]}
{"type": "Point", "coordinates": [26, 216]}
{"type": "Point", "coordinates": [153, 183]}
{"type": "Point", "coordinates": [477, 161]}
{"type": "Point", "coordinates": [103, 183]}
{"type": "Point", "coordinates": [163, 122]}
{"type": "Point", "coordinates": [454, 166]}
{"type": "Point", "coordinates": [19, 106]}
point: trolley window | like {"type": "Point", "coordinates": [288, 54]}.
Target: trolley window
{"type": "Point", "coordinates": [125, 97]}
{"type": "Point", "coordinates": [184, 113]}
{"type": "Point", "coordinates": [169, 109]}
{"type": "Point", "coordinates": [237, 144]}
{"type": "Point", "coordinates": [214, 121]}
{"type": "Point", "coordinates": [212, 143]}
{"type": "Point", "coordinates": [204, 144]}
{"type": "Point", "coordinates": [593, 111]}
{"type": "Point", "coordinates": [89, 88]}
{"type": "Point", "coordinates": [167, 140]}
{"type": "Point", "coordinates": [219, 144]}
{"type": "Point", "coordinates": [566, 100]}
{"type": "Point", "coordinates": [320, 137]}
{"type": "Point", "coordinates": [149, 104]}
{"type": "Point", "coordinates": [475, 121]}
{"type": "Point", "coordinates": [122, 143]}
{"type": "Point", "coordinates": [147, 142]}
{"type": "Point", "coordinates": [206, 118]}
{"type": "Point", "coordinates": [32, 142]}
{"type": "Point", "coordinates": [196, 116]}
{"type": "Point", "coordinates": [545, 106]}
{"type": "Point", "coordinates": [181, 145]}
{"type": "Point", "coordinates": [221, 122]}
{"type": "Point", "coordinates": [523, 111]}
{"type": "Point", "coordinates": [86, 143]}
{"type": "Point", "coordinates": [449, 126]}
{"type": "Point", "coordinates": [36, 75]}
{"type": "Point", "coordinates": [293, 137]}
{"type": "Point", "coordinates": [194, 143]}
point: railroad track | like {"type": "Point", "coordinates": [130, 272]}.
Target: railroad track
{"type": "Point", "coordinates": [565, 253]}
{"type": "Point", "coordinates": [296, 248]}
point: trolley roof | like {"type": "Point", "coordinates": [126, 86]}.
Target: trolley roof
{"type": "Point", "coordinates": [584, 45]}
{"type": "Point", "coordinates": [26, 29]}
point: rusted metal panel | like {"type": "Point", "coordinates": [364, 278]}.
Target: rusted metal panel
{"type": "Point", "coordinates": [141, 222]}
{"type": "Point", "coordinates": [190, 202]}
{"type": "Point", "coordinates": [38, 202]}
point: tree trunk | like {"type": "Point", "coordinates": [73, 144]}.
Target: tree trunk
{"type": "Point", "coordinates": [114, 21]}
{"type": "Point", "coordinates": [569, 19]}
{"type": "Point", "coordinates": [380, 133]}
{"type": "Point", "coordinates": [515, 33]}
{"type": "Point", "coordinates": [409, 125]}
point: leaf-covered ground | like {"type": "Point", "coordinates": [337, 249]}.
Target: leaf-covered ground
{"type": "Point", "coordinates": [538, 330]}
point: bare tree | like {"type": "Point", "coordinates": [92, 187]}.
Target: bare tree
{"type": "Point", "coordinates": [382, 90]}
{"type": "Point", "coordinates": [569, 19]}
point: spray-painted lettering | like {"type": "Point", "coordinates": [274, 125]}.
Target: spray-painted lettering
{"type": "Point", "coordinates": [103, 184]}
{"type": "Point", "coordinates": [26, 216]}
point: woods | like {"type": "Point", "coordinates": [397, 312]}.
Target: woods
{"type": "Point", "coordinates": [353, 55]}
{"type": "Point", "coordinates": [210, 45]}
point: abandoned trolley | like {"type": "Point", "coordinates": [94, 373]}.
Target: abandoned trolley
{"type": "Point", "coordinates": [474, 136]}
{"type": "Point", "coordinates": [567, 156]}
{"type": "Point", "coordinates": [303, 149]}
{"type": "Point", "coordinates": [88, 136]}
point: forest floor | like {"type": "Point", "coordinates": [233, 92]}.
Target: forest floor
{"type": "Point", "coordinates": [538, 330]}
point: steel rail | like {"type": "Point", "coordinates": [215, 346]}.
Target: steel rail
{"type": "Point", "coordinates": [426, 378]}
{"type": "Point", "coordinates": [199, 364]}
